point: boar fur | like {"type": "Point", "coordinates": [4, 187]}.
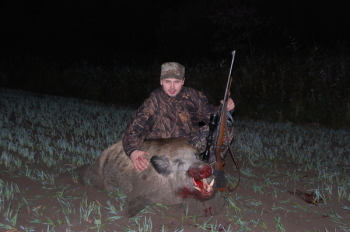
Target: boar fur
{"type": "Point", "coordinates": [170, 178]}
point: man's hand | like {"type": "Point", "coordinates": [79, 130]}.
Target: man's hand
{"type": "Point", "coordinates": [138, 159]}
{"type": "Point", "coordinates": [230, 104]}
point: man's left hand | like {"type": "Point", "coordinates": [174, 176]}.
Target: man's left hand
{"type": "Point", "coordinates": [230, 104]}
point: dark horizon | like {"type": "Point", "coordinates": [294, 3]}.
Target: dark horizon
{"type": "Point", "coordinates": [130, 31]}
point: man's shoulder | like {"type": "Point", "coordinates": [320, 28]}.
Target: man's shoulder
{"type": "Point", "coordinates": [153, 94]}
{"type": "Point", "coordinates": [156, 92]}
{"type": "Point", "coordinates": [190, 90]}
{"type": "Point", "coordinates": [154, 98]}
{"type": "Point", "coordinates": [191, 93]}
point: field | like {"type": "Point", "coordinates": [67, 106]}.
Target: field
{"type": "Point", "coordinates": [293, 177]}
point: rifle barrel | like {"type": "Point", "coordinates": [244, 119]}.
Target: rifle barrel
{"type": "Point", "coordinates": [220, 163]}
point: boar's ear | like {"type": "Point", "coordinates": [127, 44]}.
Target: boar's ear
{"type": "Point", "coordinates": [161, 164]}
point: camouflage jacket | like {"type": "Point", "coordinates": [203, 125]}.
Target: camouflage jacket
{"type": "Point", "coordinates": [162, 116]}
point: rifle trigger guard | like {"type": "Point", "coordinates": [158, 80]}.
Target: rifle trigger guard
{"type": "Point", "coordinates": [229, 119]}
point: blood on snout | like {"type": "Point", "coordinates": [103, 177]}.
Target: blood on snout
{"type": "Point", "coordinates": [202, 172]}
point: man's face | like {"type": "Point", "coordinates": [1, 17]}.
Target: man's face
{"type": "Point", "coordinates": [172, 86]}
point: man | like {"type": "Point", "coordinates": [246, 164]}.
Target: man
{"type": "Point", "coordinates": [170, 111]}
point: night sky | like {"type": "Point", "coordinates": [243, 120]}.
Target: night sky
{"type": "Point", "coordinates": [145, 31]}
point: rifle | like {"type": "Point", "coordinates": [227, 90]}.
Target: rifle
{"type": "Point", "coordinates": [220, 162]}
{"type": "Point", "coordinates": [212, 126]}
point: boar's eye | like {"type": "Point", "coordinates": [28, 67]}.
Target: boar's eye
{"type": "Point", "coordinates": [178, 162]}
{"type": "Point", "coordinates": [161, 164]}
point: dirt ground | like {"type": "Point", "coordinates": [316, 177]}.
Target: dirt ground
{"type": "Point", "coordinates": [277, 208]}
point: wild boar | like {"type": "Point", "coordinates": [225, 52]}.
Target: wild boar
{"type": "Point", "coordinates": [175, 176]}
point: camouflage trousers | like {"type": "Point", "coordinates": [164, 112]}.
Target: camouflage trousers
{"type": "Point", "coordinates": [199, 141]}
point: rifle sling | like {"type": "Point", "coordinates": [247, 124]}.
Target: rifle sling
{"type": "Point", "coordinates": [233, 159]}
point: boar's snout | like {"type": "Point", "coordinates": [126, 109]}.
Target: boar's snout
{"type": "Point", "coordinates": [202, 181]}
{"type": "Point", "coordinates": [199, 172]}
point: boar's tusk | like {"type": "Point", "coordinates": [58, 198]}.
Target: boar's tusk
{"type": "Point", "coordinates": [206, 187]}
{"type": "Point", "coordinates": [205, 183]}
{"type": "Point", "coordinates": [212, 183]}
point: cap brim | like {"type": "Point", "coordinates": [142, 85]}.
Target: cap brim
{"type": "Point", "coordinates": [171, 76]}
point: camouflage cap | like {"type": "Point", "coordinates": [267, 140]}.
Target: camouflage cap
{"type": "Point", "coordinates": [172, 70]}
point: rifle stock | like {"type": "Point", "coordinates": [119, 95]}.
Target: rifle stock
{"type": "Point", "coordinates": [220, 162]}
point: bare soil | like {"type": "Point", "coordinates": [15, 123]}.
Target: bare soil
{"type": "Point", "coordinates": [274, 207]}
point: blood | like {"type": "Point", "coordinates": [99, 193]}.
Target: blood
{"type": "Point", "coordinates": [187, 193]}
{"type": "Point", "coordinates": [199, 183]}
{"type": "Point", "coordinates": [208, 212]}
{"type": "Point", "coordinates": [200, 173]}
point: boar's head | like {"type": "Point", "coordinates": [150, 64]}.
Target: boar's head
{"type": "Point", "coordinates": [190, 177]}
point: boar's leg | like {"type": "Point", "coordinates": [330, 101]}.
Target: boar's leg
{"type": "Point", "coordinates": [136, 205]}
{"type": "Point", "coordinates": [92, 175]}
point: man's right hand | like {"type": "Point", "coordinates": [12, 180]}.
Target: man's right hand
{"type": "Point", "coordinates": [138, 159]}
